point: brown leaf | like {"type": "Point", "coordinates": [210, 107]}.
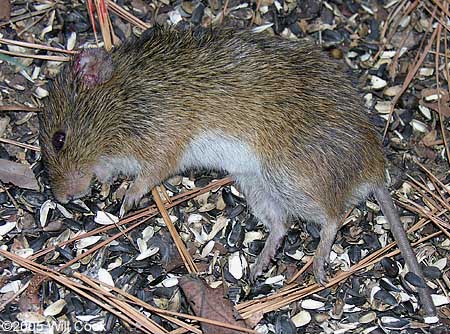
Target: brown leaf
{"type": "Point", "coordinates": [29, 301]}
{"type": "Point", "coordinates": [429, 139]}
{"type": "Point", "coordinates": [210, 303]}
{"type": "Point", "coordinates": [254, 319]}
{"type": "Point", "coordinates": [18, 174]}
{"type": "Point", "coordinates": [425, 152]}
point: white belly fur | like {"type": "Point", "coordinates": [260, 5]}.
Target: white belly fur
{"type": "Point", "coordinates": [221, 152]}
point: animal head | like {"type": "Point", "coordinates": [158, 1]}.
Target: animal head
{"type": "Point", "coordinates": [78, 126]}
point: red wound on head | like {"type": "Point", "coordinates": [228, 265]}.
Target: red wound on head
{"type": "Point", "coordinates": [93, 66]}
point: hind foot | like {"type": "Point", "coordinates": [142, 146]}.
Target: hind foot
{"type": "Point", "coordinates": [262, 262]}
{"type": "Point", "coordinates": [273, 242]}
{"type": "Point", "coordinates": [322, 256]}
{"type": "Point", "coordinates": [319, 264]}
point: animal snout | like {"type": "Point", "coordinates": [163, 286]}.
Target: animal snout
{"type": "Point", "coordinates": [64, 198]}
{"type": "Point", "coordinates": [74, 185]}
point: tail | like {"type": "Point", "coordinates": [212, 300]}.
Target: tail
{"type": "Point", "coordinates": [384, 199]}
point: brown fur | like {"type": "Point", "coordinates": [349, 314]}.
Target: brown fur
{"type": "Point", "coordinates": [285, 102]}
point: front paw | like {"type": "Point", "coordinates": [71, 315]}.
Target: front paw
{"type": "Point", "coordinates": [132, 198]}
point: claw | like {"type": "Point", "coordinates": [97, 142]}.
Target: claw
{"type": "Point", "coordinates": [123, 211]}
{"type": "Point", "coordinates": [319, 270]}
{"type": "Point", "coordinates": [262, 262]}
{"type": "Point", "coordinates": [258, 268]}
{"type": "Point", "coordinates": [126, 206]}
{"type": "Point", "coordinates": [132, 198]}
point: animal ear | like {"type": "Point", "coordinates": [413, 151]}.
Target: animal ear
{"type": "Point", "coordinates": [93, 66]}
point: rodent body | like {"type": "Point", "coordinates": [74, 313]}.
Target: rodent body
{"type": "Point", "coordinates": [278, 115]}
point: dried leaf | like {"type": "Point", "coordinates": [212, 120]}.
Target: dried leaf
{"type": "Point", "coordinates": [210, 303]}
{"type": "Point", "coordinates": [29, 300]}
{"type": "Point", "coordinates": [18, 174]}
{"type": "Point", "coordinates": [429, 139]}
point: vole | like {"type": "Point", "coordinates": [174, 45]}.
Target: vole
{"type": "Point", "coordinates": [277, 115]}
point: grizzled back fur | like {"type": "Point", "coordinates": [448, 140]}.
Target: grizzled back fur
{"type": "Point", "coordinates": [284, 98]}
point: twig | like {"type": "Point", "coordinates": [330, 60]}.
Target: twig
{"type": "Point", "coordinates": [26, 16]}
{"type": "Point", "coordinates": [126, 15]}
{"type": "Point", "coordinates": [161, 311]}
{"type": "Point", "coordinates": [14, 296]}
{"type": "Point", "coordinates": [19, 144]}
{"type": "Point", "coordinates": [19, 108]}
{"type": "Point", "coordinates": [224, 11]}
{"type": "Point", "coordinates": [90, 6]}
{"type": "Point", "coordinates": [36, 46]}
{"type": "Point", "coordinates": [105, 23]}
{"type": "Point", "coordinates": [394, 64]}
{"type": "Point", "coordinates": [24, 55]}
{"type": "Point", "coordinates": [90, 281]}
{"type": "Point", "coordinates": [432, 176]}
{"type": "Point", "coordinates": [409, 78]}
{"type": "Point", "coordinates": [440, 224]}
{"type": "Point", "coordinates": [102, 244]}
{"type": "Point", "coordinates": [441, 116]}
{"type": "Point", "coordinates": [258, 4]}
{"type": "Point", "coordinates": [442, 7]}
{"type": "Point", "coordinates": [416, 184]}
{"type": "Point", "coordinates": [187, 259]}
{"type": "Point", "coordinates": [295, 293]}
{"type": "Point", "coordinates": [310, 261]}
{"type": "Point", "coordinates": [11, 198]}
{"type": "Point", "coordinates": [78, 288]}
{"type": "Point", "coordinates": [393, 15]}
{"type": "Point", "coordinates": [446, 26]}
{"type": "Point", "coordinates": [144, 213]}
{"type": "Point", "coordinates": [99, 290]}
{"type": "Point", "coordinates": [301, 271]}
{"type": "Point", "coordinates": [446, 60]}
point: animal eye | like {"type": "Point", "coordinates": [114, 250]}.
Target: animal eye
{"type": "Point", "coordinates": [58, 140]}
